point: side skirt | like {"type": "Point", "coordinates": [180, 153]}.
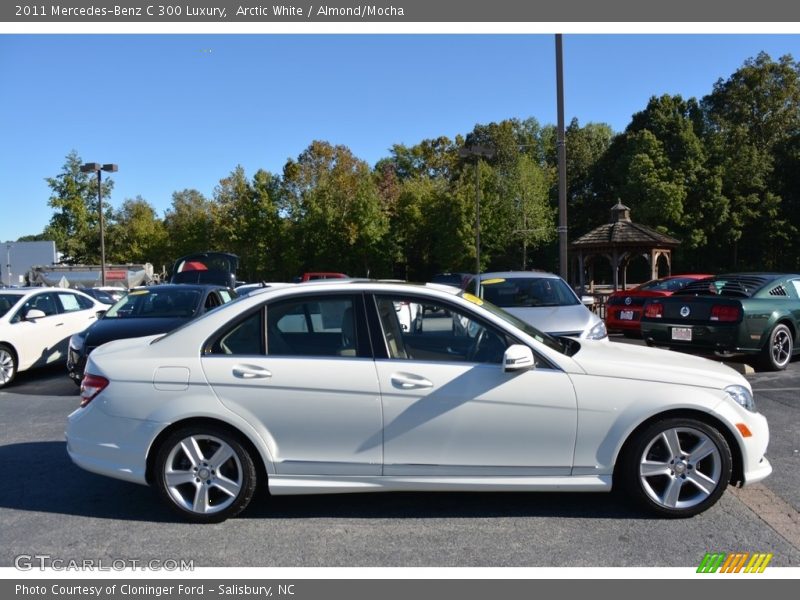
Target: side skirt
{"type": "Point", "coordinates": [304, 484]}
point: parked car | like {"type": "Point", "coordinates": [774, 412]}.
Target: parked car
{"type": "Point", "coordinates": [215, 268]}
{"type": "Point", "coordinates": [317, 389]}
{"type": "Point", "coordinates": [739, 313]}
{"type": "Point", "coordinates": [36, 324]}
{"type": "Point", "coordinates": [624, 307]}
{"type": "Point", "coordinates": [541, 299]}
{"type": "Point", "coordinates": [315, 275]}
{"type": "Point", "coordinates": [144, 311]}
{"type": "Point", "coordinates": [458, 280]}
{"type": "Point", "coordinates": [106, 295]}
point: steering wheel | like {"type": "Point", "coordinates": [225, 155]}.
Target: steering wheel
{"type": "Point", "coordinates": [475, 348]}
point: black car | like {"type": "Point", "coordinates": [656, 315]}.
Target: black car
{"type": "Point", "coordinates": [145, 311]}
{"type": "Point", "coordinates": [218, 268]}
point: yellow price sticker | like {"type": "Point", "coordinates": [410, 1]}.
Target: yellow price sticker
{"type": "Point", "coordinates": [492, 281]}
{"type": "Point", "coordinates": [473, 299]}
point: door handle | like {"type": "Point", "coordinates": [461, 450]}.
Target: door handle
{"type": "Point", "coordinates": [406, 381]}
{"type": "Point", "coordinates": [250, 372]}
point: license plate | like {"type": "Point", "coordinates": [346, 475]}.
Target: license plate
{"type": "Point", "coordinates": [626, 315]}
{"type": "Point", "coordinates": [682, 334]}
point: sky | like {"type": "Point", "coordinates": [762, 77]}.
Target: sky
{"type": "Point", "coordinates": [178, 111]}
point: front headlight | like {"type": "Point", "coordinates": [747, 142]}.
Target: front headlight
{"type": "Point", "coordinates": [598, 332]}
{"type": "Point", "coordinates": [741, 395]}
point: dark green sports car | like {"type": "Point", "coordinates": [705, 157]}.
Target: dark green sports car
{"type": "Point", "coordinates": [741, 313]}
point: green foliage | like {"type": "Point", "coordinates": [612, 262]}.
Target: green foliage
{"type": "Point", "coordinates": [136, 234]}
{"type": "Point", "coordinates": [75, 224]}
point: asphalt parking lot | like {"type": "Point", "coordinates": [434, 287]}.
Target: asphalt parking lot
{"type": "Point", "coordinates": [50, 507]}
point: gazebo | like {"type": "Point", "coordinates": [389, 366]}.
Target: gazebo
{"type": "Point", "coordinates": [620, 241]}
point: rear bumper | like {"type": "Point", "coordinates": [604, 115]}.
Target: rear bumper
{"type": "Point", "coordinates": [708, 338]}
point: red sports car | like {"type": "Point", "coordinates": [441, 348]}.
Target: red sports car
{"type": "Point", "coordinates": [624, 307]}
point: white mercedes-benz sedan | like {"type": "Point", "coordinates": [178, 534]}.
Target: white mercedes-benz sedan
{"type": "Point", "coordinates": [318, 389]}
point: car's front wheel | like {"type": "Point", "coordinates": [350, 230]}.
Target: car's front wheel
{"type": "Point", "coordinates": [8, 365]}
{"type": "Point", "coordinates": [780, 346]}
{"type": "Point", "coordinates": [205, 474]}
{"type": "Point", "coordinates": [677, 467]}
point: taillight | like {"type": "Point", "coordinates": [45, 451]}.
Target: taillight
{"type": "Point", "coordinates": [91, 385]}
{"type": "Point", "coordinates": [654, 310]}
{"type": "Point", "coordinates": [722, 312]}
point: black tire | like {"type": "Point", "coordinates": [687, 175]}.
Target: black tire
{"type": "Point", "coordinates": [660, 474]}
{"type": "Point", "coordinates": [8, 365]}
{"type": "Point", "coordinates": [200, 488]}
{"type": "Point", "coordinates": [777, 353]}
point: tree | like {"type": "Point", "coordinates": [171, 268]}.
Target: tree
{"type": "Point", "coordinates": [75, 224]}
{"type": "Point", "coordinates": [189, 224]}
{"type": "Point", "coordinates": [750, 117]}
{"type": "Point", "coordinates": [136, 234]}
{"type": "Point", "coordinates": [246, 222]}
{"type": "Point", "coordinates": [335, 210]}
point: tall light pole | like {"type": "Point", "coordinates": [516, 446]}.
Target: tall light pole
{"type": "Point", "coordinates": [476, 152]}
{"type": "Point", "coordinates": [97, 168]}
{"type": "Point", "coordinates": [562, 163]}
{"type": "Point", "coordinates": [8, 262]}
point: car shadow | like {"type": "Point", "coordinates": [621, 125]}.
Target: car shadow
{"type": "Point", "coordinates": [439, 505]}
{"type": "Point", "coordinates": [40, 477]}
{"type": "Point", "coordinates": [49, 381]}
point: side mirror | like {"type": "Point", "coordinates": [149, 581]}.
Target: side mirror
{"type": "Point", "coordinates": [587, 301]}
{"type": "Point", "coordinates": [517, 358]}
{"type": "Point", "coordinates": [34, 314]}
{"type": "Point", "coordinates": [99, 314]}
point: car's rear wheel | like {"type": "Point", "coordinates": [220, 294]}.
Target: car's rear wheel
{"type": "Point", "coordinates": [677, 467]}
{"type": "Point", "coordinates": [8, 365]}
{"type": "Point", "coordinates": [778, 351]}
{"type": "Point", "coordinates": [205, 474]}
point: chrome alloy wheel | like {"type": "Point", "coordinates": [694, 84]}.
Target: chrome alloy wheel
{"type": "Point", "coordinates": [680, 468]}
{"type": "Point", "coordinates": [8, 366]}
{"type": "Point", "coordinates": [203, 474]}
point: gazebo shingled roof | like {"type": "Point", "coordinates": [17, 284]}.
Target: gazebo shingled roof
{"type": "Point", "coordinates": [621, 239]}
{"type": "Point", "coordinates": [622, 231]}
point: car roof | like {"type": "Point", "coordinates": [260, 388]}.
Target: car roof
{"type": "Point", "coordinates": [180, 286]}
{"type": "Point", "coordinates": [518, 275]}
{"type": "Point", "coordinates": [361, 284]}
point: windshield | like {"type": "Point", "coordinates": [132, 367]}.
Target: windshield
{"type": "Point", "coordinates": [539, 336]}
{"type": "Point", "coordinates": [7, 302]}
{"type": "Point", "coordinates": [156, 303]}
{"type": "Point", "coordinates": [527, 292]}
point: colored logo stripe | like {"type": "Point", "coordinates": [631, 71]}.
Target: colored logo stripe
{"type": "Point", "coordinates": [735, 562]}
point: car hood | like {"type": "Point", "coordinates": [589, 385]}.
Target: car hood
{"type": "Point", "coordinates": [106, 330]}
{"type": "Point", "coordinates": [618, 359]}
{"type": "Point", "coordinates": [556, 319]}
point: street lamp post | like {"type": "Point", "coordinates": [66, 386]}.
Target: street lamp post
{"type": "Point", "coordinates": [8, 262]}
{"type": "Point", "coordinates": [97, 168]}
{"type": "Point", "coordinates": [477, 152]}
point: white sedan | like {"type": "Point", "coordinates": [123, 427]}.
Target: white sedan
{"type": "Point", "coordinates": [319, 389]}
{"type": "Point", "coordinates": [36, 324]}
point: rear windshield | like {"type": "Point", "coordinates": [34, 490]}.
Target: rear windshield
{"type": "Point", "coordinates": [7, 302]}
{"type": "Point", "coordinates": [527, 292]}
{"type": "Point", "coordinates": [732, 286]}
